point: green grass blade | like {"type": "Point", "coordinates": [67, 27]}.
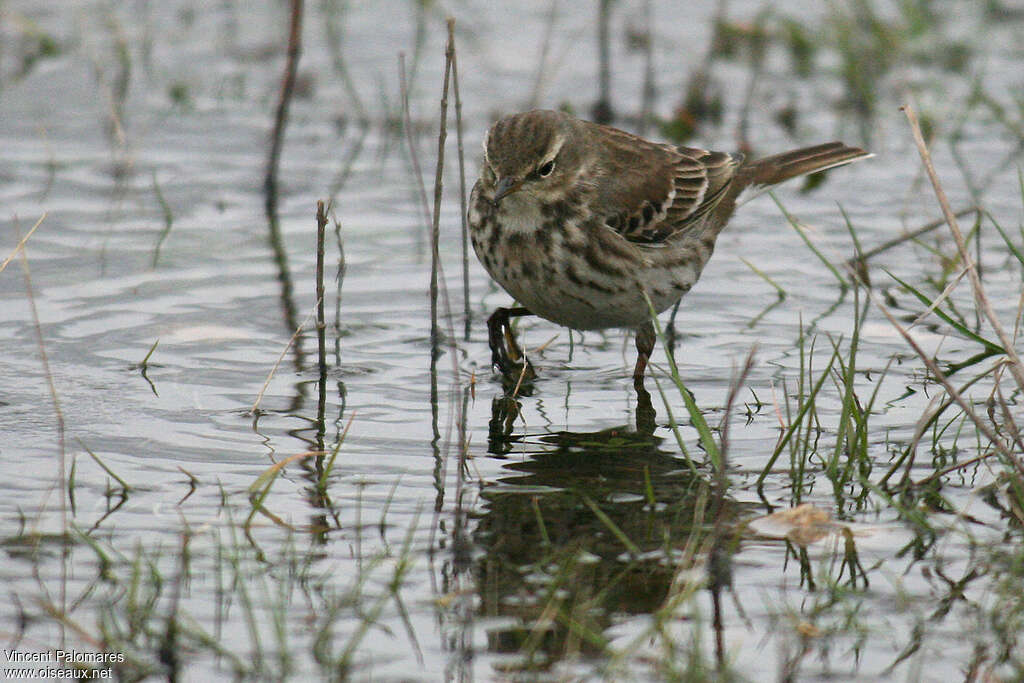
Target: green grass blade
{"type": "Point", "coordinates": [795, 224]}
{"type": "Point", "coordinates": [959, 327]}
{"type": "Point", "coordinates": [119, 480]}
{"type": "Point", "coordinates": [1013, 249]}
{"type": "Point", "coordinates": [764, 276]}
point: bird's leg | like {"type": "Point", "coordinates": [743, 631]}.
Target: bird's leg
{"type": "Point", "coordinates": [644, 347]}
{"type": "Point", "coordinates": [499, 333]}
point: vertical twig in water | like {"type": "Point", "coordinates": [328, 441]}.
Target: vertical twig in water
{"type": "Point", "coordinates": [602, 110]}
{"type": "Point", "coordinates": [462, 184]}
{"type": "Point", "coordinates": [460, 407]}
{"type": "Point", "coordinates": [449, 67]}
{"type": "Point", "coordinates": [281, 113]}
{"type": "Point", "coordinates": [437, 272]}
{"type": "Point", "coordinates": [321, 324]}
{"type": "Point", "coordinates": [435, 228]}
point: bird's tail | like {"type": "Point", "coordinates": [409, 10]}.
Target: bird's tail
{"type": "Point", "coordinates": [757, 176]}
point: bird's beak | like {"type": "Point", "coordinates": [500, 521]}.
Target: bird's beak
{"type": "Point", "coordinates": [506, 186]}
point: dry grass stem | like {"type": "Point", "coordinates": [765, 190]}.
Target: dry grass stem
{"type": "Point", "coordinates": [979, 291]}
{"type": "Point", "coordinates": [273, 370]}
{"type": "Point", "coordinates": [933, 368]}
{"type": "Point", "coordinates": [940, 298]}
{"type": "Point", "coordinates": [21, 243]}
{"type": "Point", "coordinates": [906, 237]}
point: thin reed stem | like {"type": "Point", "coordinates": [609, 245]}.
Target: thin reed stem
{"type": "Point", "coordinates": [321, 323]}
{"type": "Point", "coordinates": [435, 226]}
{"type": "Point", "coordinates": [270, 375]}
{"type": "Point", "coordinates": [467, 310]}
{"type": "Point", "coordinates": [980, 298]}
{"type": "Point", "coordinates": [21, 244]}
{"type": "Point", "coordinates": [906, 237]}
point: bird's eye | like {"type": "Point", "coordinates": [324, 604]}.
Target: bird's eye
{"type": "Point", "coordinates": [546, 170]}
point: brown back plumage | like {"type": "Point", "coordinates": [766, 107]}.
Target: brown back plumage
{"type": "Point", "coordinates": [651, 192]}
{"type": "Point", "coordinates": [647, 191]}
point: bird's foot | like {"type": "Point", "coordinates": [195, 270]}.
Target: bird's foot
{"type": "Point", "coordinates": [506, 354]}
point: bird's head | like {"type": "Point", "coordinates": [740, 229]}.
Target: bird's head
{"type": "Point", "coordinates": [527, 158]}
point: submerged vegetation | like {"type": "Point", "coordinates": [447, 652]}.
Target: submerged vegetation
{"type": "Point", "coordinates": [849, 502]}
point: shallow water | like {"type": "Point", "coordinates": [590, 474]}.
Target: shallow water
{"type": "Point", "coordinates": [475, 566]}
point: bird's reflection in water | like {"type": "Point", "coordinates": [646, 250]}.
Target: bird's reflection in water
{"type": "Point", "coordinates": [501, 437]}
{"type": "Point", "coordinates": [586, 527]}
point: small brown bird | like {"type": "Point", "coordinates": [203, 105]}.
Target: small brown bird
{"type": "Point", "coordinates": [578, 221]}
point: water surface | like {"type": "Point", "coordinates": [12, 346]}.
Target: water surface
{"type": "Point", "coordinates": [428, 529]}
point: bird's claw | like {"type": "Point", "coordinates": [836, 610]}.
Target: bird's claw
{"type": "Point", "coordinates": [506, 354]}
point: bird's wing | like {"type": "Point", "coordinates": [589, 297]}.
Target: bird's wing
{"type": "Point", "coordinates": [649, 192]}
